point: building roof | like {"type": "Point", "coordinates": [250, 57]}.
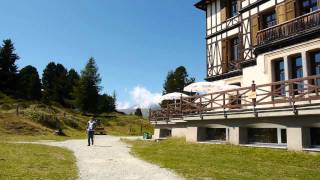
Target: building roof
{"type": "Point", "coordinates": [202, 4]}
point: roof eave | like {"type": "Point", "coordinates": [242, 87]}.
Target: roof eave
{"type": "Point", "coordinates": [202, 5]}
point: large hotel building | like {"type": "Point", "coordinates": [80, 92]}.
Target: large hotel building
{"type": "Point", "coordinates": [271, 49]}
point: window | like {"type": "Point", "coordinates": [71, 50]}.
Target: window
{"type": "Point", "coordinates": [297, 72]}
{"type": "Point", "coordinates": [234, 52]}
{"type": "Point", "coordinates": [279, 75]}
{"type": "Point", "coordinates": [315, 136]}
{"type": "Point", "coordinates": [269, 19]}
{"type": "Point", "coordinates": [233, 8]}
{"type": "Point", "coordinates": [315, 65]}
{"type": "Point", "coordinates": [262, 135]}
{"type": "Point", "coordinates": [283, 136]}
{"type": "Point", "coordinates": [216, 134]}
{"type": "Point", "coordinates": [308, 6]}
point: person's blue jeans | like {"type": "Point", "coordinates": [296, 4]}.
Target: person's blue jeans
{"type": "Point", "coordinates": [90, 137]}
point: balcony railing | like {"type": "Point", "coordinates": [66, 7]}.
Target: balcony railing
{"type": "Point", "coordinates": [267, 96]}
{"type": "Point", "coordinates": [302, 24]}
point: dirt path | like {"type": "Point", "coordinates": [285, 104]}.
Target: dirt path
{"type": "Point", "coordinates": [109, 158]}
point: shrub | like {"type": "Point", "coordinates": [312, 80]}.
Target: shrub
{"type": "Point", "coordinates": [72, 123]}
{"type": "Point", "coordinates": [6, 107]}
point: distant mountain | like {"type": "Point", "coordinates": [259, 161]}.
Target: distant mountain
{"type": "Point", "coordinates": [145, 112]}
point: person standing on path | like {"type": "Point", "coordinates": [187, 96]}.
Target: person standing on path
{"type": "Point", "coordinates": [90, 130]}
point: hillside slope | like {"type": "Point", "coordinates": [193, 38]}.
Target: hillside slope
{"type": "Point", "coordinates": [20, 120]}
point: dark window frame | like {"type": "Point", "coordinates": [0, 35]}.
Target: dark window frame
{"type": "Point", "coordinates": [296, 71]}
{"type": "Point", "coordinates": [278, 74]}
{"type": "Point", "coordinates": [233, 8]}
{"type": "Point", "coordinates": [314, 65]}
{"type": "Point", "coordinates": [234, 46]}
{"type": "Point", "coordinates": [305, 9]}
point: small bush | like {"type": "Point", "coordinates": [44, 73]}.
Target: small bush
{"type": "Point", "coordinates": [121, 123]}
{"type": "Point", "coordinates": [6, 107]}
{"type": "Point", "coordinates": [50, 121]}
{"type": "Point", "coordinates": [72, 123]}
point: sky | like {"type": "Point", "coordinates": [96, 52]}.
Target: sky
{"type": "Point", "coordinates": [134, 42]}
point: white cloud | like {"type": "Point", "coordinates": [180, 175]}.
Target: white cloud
{"type": "Point", "coordinates": [123, 105]}
{"type": "Point", "coordinates": [140, 97]}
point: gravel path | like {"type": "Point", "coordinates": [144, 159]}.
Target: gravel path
{"type": "Point", "coordinates": [109, 158]}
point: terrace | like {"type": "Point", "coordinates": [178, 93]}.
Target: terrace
{"type": "Point", "coordinates": [294, 97]}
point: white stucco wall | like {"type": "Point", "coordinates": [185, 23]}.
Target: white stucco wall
{"type": "Point", "coordinates": [179, 132]}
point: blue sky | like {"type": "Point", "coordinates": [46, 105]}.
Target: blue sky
{"type": "Point", "coordinates": [135, 42]}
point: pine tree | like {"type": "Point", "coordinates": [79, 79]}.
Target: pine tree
{"type": "Point", "coordinates": [48, 78]}
{"type": "Point", "coordinates": [138, 112]}
{"type": "Point", "coordinates": [29, 83]}
{"type": "Point", "coordinates": [61, 84]}
{"type": "Point", "coordinates": [106, 103]}
{"type": "Point", "coordinates": [55, 83]}
{"type": "Point", "coordinates": [88, 90]}
{"type": "Point", "coordinates": [8, 67]}
{"type": "Point", "coordinates": [73, 81]}
{"type": "Point", "coordinates": [177, 80]}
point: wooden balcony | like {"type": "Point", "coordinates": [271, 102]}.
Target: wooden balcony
{"type": "Point", "coordinates": [272, 97]}
{"type": "Point", "coordinates": [297, 30]}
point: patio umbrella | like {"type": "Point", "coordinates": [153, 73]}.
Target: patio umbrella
{"type": "Point", "coordinates": [204, 87]}
{"type": "Point", "coordinates": [230, 87]}
{"type": "Point", "coordinates": [173, 96]}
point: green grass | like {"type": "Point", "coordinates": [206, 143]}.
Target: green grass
{"type": "Point", "coordinates": [200, 161]}
{"type": "Point", "coordinates": [127, 125]}
{"type": "Point", "coordinates": [30, 161]}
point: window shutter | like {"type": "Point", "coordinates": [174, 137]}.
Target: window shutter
{"type": "Point", "coordinates": [223, 11]}
{"type": "Point", "coordinates": [224, 60]}
{"type": "Point", "coordinates": [281, 13]}
{"type": "Point", "coordinates": [290, 9]}
{"type": "Point", "coordinates": [318, 4]}
{"type": "Point", "coordinates": [254, 29]}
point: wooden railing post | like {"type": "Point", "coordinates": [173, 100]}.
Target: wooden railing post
{"type": "Point", "coordinates": [168, 112]}
{"type": "Point", "coordinates": [254, 99]}
{"type": "Point", "coordinates": [181, 105]}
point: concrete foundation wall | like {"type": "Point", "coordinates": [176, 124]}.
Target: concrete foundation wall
{"type": "Point", "coordinates": [297, 128]}
{"type": "Point", "coordinates": [179, 132]}
{"type": "Point", "coordinates": [156, 134]}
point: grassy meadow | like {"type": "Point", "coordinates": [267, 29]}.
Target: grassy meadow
{"type": "Point", "coordinates": [31, 161]}
{"type": "Point", "coordinates": [209, 161]}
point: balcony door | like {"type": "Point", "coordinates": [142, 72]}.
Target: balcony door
{"type": "Point", "coordinates": [279, 75]}
{"type": "Point", "coordinates": [297, 72]}
{"type": "Point", "coordinates": [315, 65]}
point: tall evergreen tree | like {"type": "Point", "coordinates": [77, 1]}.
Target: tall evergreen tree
{"type": "Point", "coordinates": [106, 103]}
{"type": "Point", "coordinates": [55, 83]}
{"type": "Point", "coordinates": [73, 80]}
{"type": "Point", "coordinates": [48, 82]}
{"type": "Point", "coordinates": [138, 112]}
{"type": "Point", "coordinates": [177, 80]}
{"type": "Point", "coordinates": [29, 83]}
{"type": "Point", "coordinates": [61, 84]}
{"type": "Point", "coordinates": [88, 90]}
{"type": "Point", "coordinates": [8, 67]}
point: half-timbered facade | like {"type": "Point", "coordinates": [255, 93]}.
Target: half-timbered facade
{"type": "Point", "coordinates": [271, 48]}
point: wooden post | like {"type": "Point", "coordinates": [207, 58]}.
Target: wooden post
{"type": "Point", "coordinates": [181, 105]}
{"type": "Point", "coordinates": [254, 100]}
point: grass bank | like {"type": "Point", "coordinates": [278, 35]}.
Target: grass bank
{"type": "Point", "coordinates": [201, 161]}
{"type": "Point", "coordinates": [30, 161]}
{"type": "Point", "coordinates": [22, 120]}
